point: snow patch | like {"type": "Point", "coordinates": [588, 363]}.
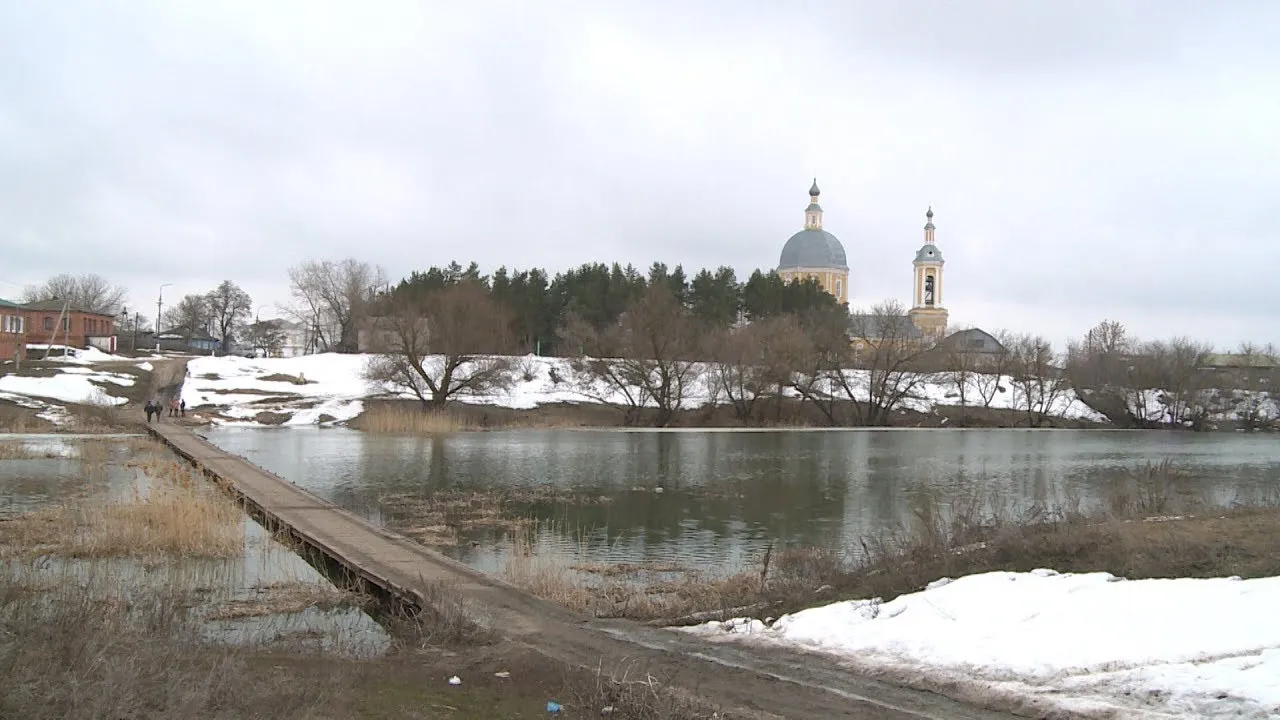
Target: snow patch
{"type": "Point", "coordinates": [1081, 643]}
{"type": "Point", "coordinates": [336, 382]}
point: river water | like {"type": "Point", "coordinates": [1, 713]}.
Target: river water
{"type": "Point", "coordinates": [717, 498]}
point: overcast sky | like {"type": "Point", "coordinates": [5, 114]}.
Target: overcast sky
{"type": "Point", "coordinates": [1085, 160]}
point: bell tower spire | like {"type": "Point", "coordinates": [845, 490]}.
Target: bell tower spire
{"type": "Point", "coordinates": [813, 213]}
{"type": "Point", "coordinates": [927, 311]}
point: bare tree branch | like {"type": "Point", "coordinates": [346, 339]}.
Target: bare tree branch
{"type": "Point", "coordinates": [443, 346]}
{"type": "Point", "coordinates": [90, 292]}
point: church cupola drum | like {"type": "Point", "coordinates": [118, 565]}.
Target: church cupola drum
{"type": "Point", "coordinates": [927, 310]}
{"type": "Point", "coordinates": [813, 253]}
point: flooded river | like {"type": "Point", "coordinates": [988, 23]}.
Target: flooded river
{"type": "Point", "coordinates": [716, 498]}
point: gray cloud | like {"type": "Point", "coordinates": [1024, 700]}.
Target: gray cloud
{"type": "Point", "coordinates": [1086, 160]}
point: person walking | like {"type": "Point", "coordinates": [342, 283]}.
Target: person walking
{"type": "Point", "coordinates": [173, 407]}
{"type": "Point", "coordinates": [150, 408]}
{"type": "Point", "coordinates": [182, 408]}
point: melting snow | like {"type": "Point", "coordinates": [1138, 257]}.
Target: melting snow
{"type": "Point", "coordinates": [1088, 644]}
{"type": "Point", "coordinates": [336, 381]}
{"type": "Point", "coordinates": [68, 387]}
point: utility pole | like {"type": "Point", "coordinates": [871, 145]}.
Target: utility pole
{"type": "Point", "coordinates": [159, 305]}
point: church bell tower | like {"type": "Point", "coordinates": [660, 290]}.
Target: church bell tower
{"type": "Point", "coordinates": [927, 312]}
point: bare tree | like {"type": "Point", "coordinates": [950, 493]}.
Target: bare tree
{"type": "Point", "coordinates": [334, 297]}
{"type": "Point", "coordinates": [229, 308]}
{"type": "Point", "coordinates": [960, 368]}
{"type": "Point", "coordinates": [443, 345]}
{"type": "Point", "coordinates": [889, 353]}
{"type": "Point", "coordinates": [89, 292]}
{"type": "Point", "coordinates": [818, 362]}
{"type": "Point", "coordinates": [649, 355]}
{"type": "Point", "coordinates": [599, 373]}
{"type": "Point", "coordinates": [189, 316]}
{"type": "Point", "coordinates": [1038, 388]}
{"type": "Point", "coordinates": [991, 380]}
{"type": "Point", "coordinates": [753, 365]}
{"type": "Point", "coordinates": [1188, 393]}
{"type": "Point", "coordinates": [266, 337]}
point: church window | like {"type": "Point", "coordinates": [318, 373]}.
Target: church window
{"type": "Point", "coordinates": [839, 287]}
{"type": "Point", "coordinates": [928, 290]}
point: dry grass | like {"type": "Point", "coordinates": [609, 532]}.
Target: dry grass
{"type": "Point", "coordinates": [175, 516]}
{"type": "Point", "coordinates": [1153, 523]}
{"type": "Point", "coordinates": [284, 599]}
{"type": "Point", "coordinates": [282, 377]}
{"type": "Point", "coordinates": [93, 649]}
{"type": "Point", "coordinates": [637, 592]}
{"type": "Point", "coordinates": [410, 421]}
{"type": "Point", "coordinates": [447, 619]}
{"type": "Point", "coordinates": [632, 693]}
{"type": "Point", "coordinates": [438, 518]}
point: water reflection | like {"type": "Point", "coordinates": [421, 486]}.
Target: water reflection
{"type": "Point", "coordinates": [714, 498]}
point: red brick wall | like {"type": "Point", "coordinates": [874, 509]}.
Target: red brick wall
{"type": "Point", "coordinates": [42, 326]}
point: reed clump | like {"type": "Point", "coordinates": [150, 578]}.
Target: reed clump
{"type": "Point", "coordinates": [636, 591]}
{"type": "Point", "coordinates": [91, 644]}
{"type": "Point", "coordinates": [173, 516]}
{"type": "Point", "coordinates": [410, 421]}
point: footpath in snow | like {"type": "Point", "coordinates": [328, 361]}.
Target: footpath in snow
{"type": "Point", "coordinates": [1091, 644]}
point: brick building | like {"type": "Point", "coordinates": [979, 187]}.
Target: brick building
{"type": "Point", "coordinates": [79, 328]}
{"type": "Point", "coordinates": [13, 322]}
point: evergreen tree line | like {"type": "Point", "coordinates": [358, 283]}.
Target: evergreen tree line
{"type": "Point", "coordinates": [541, 305]}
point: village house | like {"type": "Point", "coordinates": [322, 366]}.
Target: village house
{"type": "Point", "coordinates": [79, 328]}
{"type": "Point", "coordinates": [186, 341]}
{"type": "Point", "coordinates": [13, 321]}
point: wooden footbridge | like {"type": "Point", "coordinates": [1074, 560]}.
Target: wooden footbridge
{"type": "Point", "coordinates": [404, 574]}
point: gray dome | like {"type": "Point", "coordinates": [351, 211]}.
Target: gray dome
{"type": "Point", "coordinates": [813, 249]}
{"type": "Point", "coordinates": [929, 253]}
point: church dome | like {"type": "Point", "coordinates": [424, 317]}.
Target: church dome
{"type": "Point", "coordinates": [929, 253]}
{"type": "Point", "coordinates": [813, 249]}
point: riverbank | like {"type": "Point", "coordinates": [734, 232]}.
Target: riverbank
{"type": "Point", "coordinates": [1152, 521]}
{"type": "Point", "coordinates": [411, 417]}
{"type": "Point", "coordinates": [549, 392]}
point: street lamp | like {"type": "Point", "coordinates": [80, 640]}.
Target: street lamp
{"type": "Point", "coordinates": [257, 326]}
{"type": "Point", "coordinates": [159, 306]}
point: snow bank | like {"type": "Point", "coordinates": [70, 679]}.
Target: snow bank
{"type": "Point", "coordinates": [1089, 644]}
{"type": "Point", "coordinates": [316, 385]}
{"type": "Point", "coordinates": [236, 386]}
{"type": "Point", "coordinates": [78, 356]}
{"type": "Point", "coordinates": [68, 387]}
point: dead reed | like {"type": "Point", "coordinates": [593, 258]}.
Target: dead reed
{"type": "Point", "coordinates": [175, 516]}
{"type": "Point", "coordinates": [633, 693]}
{"type": "Point", "coordinates": [88, 646]}
{"type": "Point", "coordinates": [1152, 522]}
{"type": "Point", "coordinates": [447, 619]}
{"type": "Point", "coordinates": [410, 421]}
{"type": "Point", "coordinates": [284, 599]}
{"type": "Point", "coordinates": [638, 591]}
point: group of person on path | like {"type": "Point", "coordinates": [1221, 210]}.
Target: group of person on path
{"type": "Point", "coordinates": [177, 408]}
